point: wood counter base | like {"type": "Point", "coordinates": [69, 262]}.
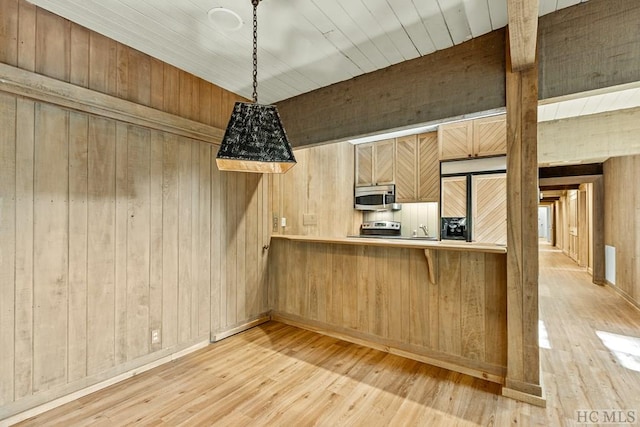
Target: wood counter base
{"type": "Point", "coordinates": [476, 369]}
{"type": "Point", "coordinates": [449, 312]}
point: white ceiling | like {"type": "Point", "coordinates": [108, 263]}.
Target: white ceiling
{"type": "Point", "coordinates": [303, 44]}
{"type": "Point", "coordinates": [611, 99]}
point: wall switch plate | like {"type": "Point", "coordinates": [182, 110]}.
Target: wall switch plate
{"type": "Point", "coordinates": [309, 219]}
{"type": "Point", "coordinates": [155, 336]}
{"type": "Point", "coordinates": [283, 222]}
{"type": "Point", "coordinates": [275, 223]}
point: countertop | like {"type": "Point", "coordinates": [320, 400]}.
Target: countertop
{"type": "Point", "coordinates": [449, 245]}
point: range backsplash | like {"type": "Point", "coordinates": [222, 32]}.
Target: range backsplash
{"type": "Point", "coordinates": [411, 216]}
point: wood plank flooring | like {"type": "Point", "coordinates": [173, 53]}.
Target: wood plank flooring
{"type": "Point", "coordinates": [280, 375]}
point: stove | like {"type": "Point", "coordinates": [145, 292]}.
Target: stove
{"type": "Point", "coordinates": [380, 228]}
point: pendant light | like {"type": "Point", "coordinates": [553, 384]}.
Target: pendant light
{"type": "Point", "coordinates": [255, 140]}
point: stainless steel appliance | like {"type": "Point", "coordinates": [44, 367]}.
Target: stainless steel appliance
{"type": "Point", "coordinates": [454, 228]}
{"type": "Point", "coordinates": [380, 228]}
{"type": "Point", "coordinates": [376, 198]}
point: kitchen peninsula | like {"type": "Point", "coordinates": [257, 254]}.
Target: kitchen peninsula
{"type": "Point", "coordinates": [443, 303]}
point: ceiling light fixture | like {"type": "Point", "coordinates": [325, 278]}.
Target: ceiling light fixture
{"type": "Point", "coordinates": [225, 19]}
{"type": "Point", "coordinates": [255, 140]}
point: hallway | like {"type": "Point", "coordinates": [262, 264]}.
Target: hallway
{"type": "Point", "coordinates": [280, 375]}
{"type": "Point", "coordinates": [594, 337]}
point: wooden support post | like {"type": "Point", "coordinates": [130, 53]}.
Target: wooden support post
{"type": "Point", "coordinates": [523, 359]}
{"type": "Point", "coordinates": [598, 232]}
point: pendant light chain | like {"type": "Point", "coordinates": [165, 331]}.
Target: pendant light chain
{"type": "Point", "coordinates": [255, 50]}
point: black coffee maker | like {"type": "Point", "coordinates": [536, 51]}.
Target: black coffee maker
{"type": "Point", "coordinates": [453, 228]}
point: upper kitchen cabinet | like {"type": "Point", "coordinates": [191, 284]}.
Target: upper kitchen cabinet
{"type": "Point", "coordinates": [407, 169]}
{"type": "Point", "coordinates": [473, 138]}
{"type": "Point", "coordinates": [455, 140]}
{"type": "Point", "coordinates": [428, 167]}
{"type": "Point", "coordinates": [375, 163]}
{"type": "Point", "coordinates": [490, 136]}
{"type": "Point", "coordinates": [417, 168]}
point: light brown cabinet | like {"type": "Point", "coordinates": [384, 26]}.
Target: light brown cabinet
{"type": "Point", "coordinates": [473, 138]}
{"type": "Point", "coordinates": [407, 169]}
{"type": "Point", "coordinates": [428, 167]}
{"type": "Point", "coordinates": [489, 208]}
{"type": "Point", "coordinates": [375, 163]}
{"type": "Point", "coordinates": [417, 168]}
{"type": "Point", "coordinates": [490, 136]}
{"type": "Point", "coordinates": [454, 197]}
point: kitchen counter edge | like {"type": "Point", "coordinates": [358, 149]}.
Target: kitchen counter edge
{"type": "Point", "coordinates": [451, 245]}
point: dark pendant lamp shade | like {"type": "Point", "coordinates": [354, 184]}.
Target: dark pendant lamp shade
{"type": "Point", "coordinates": [255, 141]}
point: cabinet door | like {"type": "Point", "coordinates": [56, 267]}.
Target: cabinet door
{"type": "Point", "coordinates": [490, 136]}
{"type": "Point", "coordinates": [454, 196]}
{"type": "Point", "coordinates": [489, 208]}
{"type": "Point", "coordinates": [406, 169]}
{"type": "Point", "coordinates": [364, 165]}
{"type": "Point", "coordinates": [455, 140]}
{"type": "Point", "coordinates": [384, 162]}
{"type": "Point", "coordinates": [428, 167]}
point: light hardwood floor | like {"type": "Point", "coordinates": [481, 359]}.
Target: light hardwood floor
{"type": "Point", "coordinates": [280, 375]}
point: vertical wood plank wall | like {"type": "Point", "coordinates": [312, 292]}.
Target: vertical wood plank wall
{"type": "Point", "coordinates": [320, 184]}
{"type": "Point", "coordinates": [36, 40]}
{"type": "Point", "coordinates": [622, 222]}
{"type": "Point", "coordinates": [109, 230]}
{"type": "Point", "coordinates": [574, 233]}
{"type": "Point", "coordinates": [383, 295]}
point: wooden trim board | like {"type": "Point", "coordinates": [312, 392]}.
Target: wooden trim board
{"type": "Point", "coordinates": [99, 386]}
{"type": "Point", "coordinates": [264, 318]}
{"type": "Point", "coordinates": [133, 371]}
{"type": "Point", "coordinates": [480, 370]}
{"type": "Point", "coordinates": [451, 245]}
{"type": "Point", "coordinates": [45, 89]}
{"type": "Point", "coordinates": [531, 399]}
{"type": "Point", "coordinates": [622, 294]}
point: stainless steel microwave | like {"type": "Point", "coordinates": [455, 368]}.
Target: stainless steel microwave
{"type": "Point", "coordinates": [376, 198]}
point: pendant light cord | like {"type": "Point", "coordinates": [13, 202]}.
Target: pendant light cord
{"type": "Point", "coordinates": [255, 50]}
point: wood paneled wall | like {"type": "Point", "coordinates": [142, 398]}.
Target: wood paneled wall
{"type": "Point", "coordinates": [110, 229]}
{"type": "Point", "coordinates": [36, 40]}
{"type": "Point", "coordinates": [383, 295]}
{"type": "Point", "coordinates": [321, 184]}
{"type": "Point", "coordinates": [622, 221]}
{"type": "Point", "coordinates": [574, 225]}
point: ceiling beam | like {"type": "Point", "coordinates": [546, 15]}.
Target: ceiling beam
{"type": "Point", "coordinates": [544, 188]}
{"type": "Point", "coordinates": [570, 170]}
{"type": "Point", "coordinates": [523, 33]}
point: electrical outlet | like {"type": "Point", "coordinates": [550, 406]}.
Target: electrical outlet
{"type": "Point", "coordinates": [309, 219]}
{"type": "Point", "coordinates": [155, 336]}
{"type": "Point", "coordinates": [275, 223]}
